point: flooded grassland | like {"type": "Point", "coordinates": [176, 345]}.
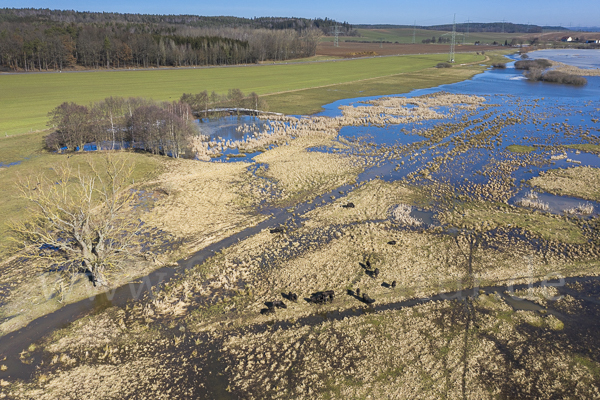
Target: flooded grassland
{"type": "Point", "coordinates": [467, 213]}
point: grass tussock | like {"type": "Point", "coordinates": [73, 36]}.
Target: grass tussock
{"type": "Point", "coordinates": [517, 148]}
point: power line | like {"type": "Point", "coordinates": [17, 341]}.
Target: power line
{"type": "Point", "coordinates": [414, 31]}
{"type": "Point", "coordinates": [336, 33]}
{"type": "Point", "coordinates": [453, 39]}
{"type": "Point", "coordinates": [465, 36]}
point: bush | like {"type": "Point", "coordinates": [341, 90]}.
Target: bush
{"type": "Point", "coordinates": [499, 65]}
{"type": "Point", "coordinates": [444, 65]}
{"type": "Point", "coordinates": [556, 77]}
{"type": "Point", "coordinates": [530, 64]}
{"type": "Point", "coordinates": [562, 77]}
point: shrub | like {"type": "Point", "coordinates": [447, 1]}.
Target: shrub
{"type": "Point", "coordinates": [444, 65]}
{"type": "Point", "coordinates": [533, 64]}
{"type": "Point", "coordinates": [556, 77]}
{"type": "Point", "coordinates": [499, 65]}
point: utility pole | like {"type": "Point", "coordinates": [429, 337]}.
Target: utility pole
{"type": "Point", "coordinates": [414, 31]}
{"type": "Point", "coordinates": [336, 32]}
{"type": "Point", "coordinates": [453, 39]}
{"type": "Point", "coordinates": [502, 26]}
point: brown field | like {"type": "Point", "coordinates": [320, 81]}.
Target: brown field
{"type": "Point", "coordinates": [348, 49]}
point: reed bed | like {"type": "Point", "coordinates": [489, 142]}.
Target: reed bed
{"type": "Point", "coordinates": [401, 214]}
{"type": "Point", "coordinates": [531, 200]}
{"type": "Point", "coordinates": [380, 112]}
{"type": "Point", "coordinates": [581, 209]}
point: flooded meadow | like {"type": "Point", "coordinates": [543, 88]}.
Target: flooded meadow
{"type": "Point", "coordinates": [437, 244]}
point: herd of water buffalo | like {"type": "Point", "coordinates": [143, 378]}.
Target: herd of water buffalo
{"type": "Point", "coordinates": [327, 295]}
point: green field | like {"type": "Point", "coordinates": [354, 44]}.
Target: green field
{"type": "Point", "coordinates": [405, 35]}
{"type": "Point", "coordinates": [26, 99]}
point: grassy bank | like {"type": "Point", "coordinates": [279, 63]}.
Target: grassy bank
{"type": "Point", "coordinates": [26, 99]}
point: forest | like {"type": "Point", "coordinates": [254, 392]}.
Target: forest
{"type": "Point", "coordinates": [42, 40]}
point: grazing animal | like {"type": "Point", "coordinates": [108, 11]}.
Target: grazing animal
{"type": "Point", "coordinates": [279, 304]}
{"type": "Point", "coordinates": [293, 296]}
{"type": "Point", "coordinates": [393, 284]}
{"type": "Point", "coordinates": [392, 242]}
{"type": "Point", "coordinates": [349, 205]}
{"type": "Point", "coordinates": [358, 291]}
{"type": "Point", "coordinates": [367, 299]}
{"type": "Point", "coordinates": [322, 297]}
{"type": "Point", "coordinates": [376, 272]}
{"type": "Point", "coordinates": [276, 230]}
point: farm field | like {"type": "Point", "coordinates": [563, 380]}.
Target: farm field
{"type": "Point", "coordinates": [26, 99]}
{"type": "Point", "coordinates": [405, 36]}
{"type": "Point", "coordinates": [356, 49]}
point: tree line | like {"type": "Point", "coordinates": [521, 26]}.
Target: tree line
{"type": "Point", "coordinates": [61, 47]}
{"type": "Point", "coordinates": [138, 123]}
{"type": "Point", "coordinates": [440, 39]}
{"type": "Point", "coordinates": [36, 41]}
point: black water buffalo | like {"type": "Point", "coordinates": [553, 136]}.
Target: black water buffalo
{"type": "Point", "coordinates": [367, 299]}
{"type": "Point", "coordinates": [349, 205]}
{"type": "Point", "coordinates": [322, 297]}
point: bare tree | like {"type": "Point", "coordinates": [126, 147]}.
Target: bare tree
{"type": "Point", "coordinates": [82, 221]}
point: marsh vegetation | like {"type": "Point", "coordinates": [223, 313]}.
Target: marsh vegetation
{"type": "Point", "coordinates": [417, 259]}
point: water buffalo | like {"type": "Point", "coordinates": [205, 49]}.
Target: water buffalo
{"type": "Point", "coordinates": [349, 205]}
{"type": "Point", "coordinates": [367, 299]}
{"type": "Point", "coordinates": [322, 297]}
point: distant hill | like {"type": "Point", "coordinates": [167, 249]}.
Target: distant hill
{"type": "Point", "coordinates": [505, 27]}
{"type": "Point", "coordinates": [30, 15]}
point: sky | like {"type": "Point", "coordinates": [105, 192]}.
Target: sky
{"type": "Point", "coordinates": [424, 12]}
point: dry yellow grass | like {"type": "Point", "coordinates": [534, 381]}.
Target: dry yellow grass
{"type": "Point", "coordinates": [372, 201]}
{"type": "Point", "coordinates": [583, 182]}
{"type": "Point", "coordinates": [302, 175]}
{"type": "Point", "coordinates": [207, 202]}
{"type": "Point", "coordinates": [570, 69]}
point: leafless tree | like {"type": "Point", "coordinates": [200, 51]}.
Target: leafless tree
{"type": "Point", "coordinates": [82, 219]}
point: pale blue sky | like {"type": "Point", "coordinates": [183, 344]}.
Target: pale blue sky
{"type": "Point", "coordinates": [425, 12]}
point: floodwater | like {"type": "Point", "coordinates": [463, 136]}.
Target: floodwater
{"type": "Point", "coordinates": [582, 58]}
{"type": "Point", "coordinates": [568, 112]}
